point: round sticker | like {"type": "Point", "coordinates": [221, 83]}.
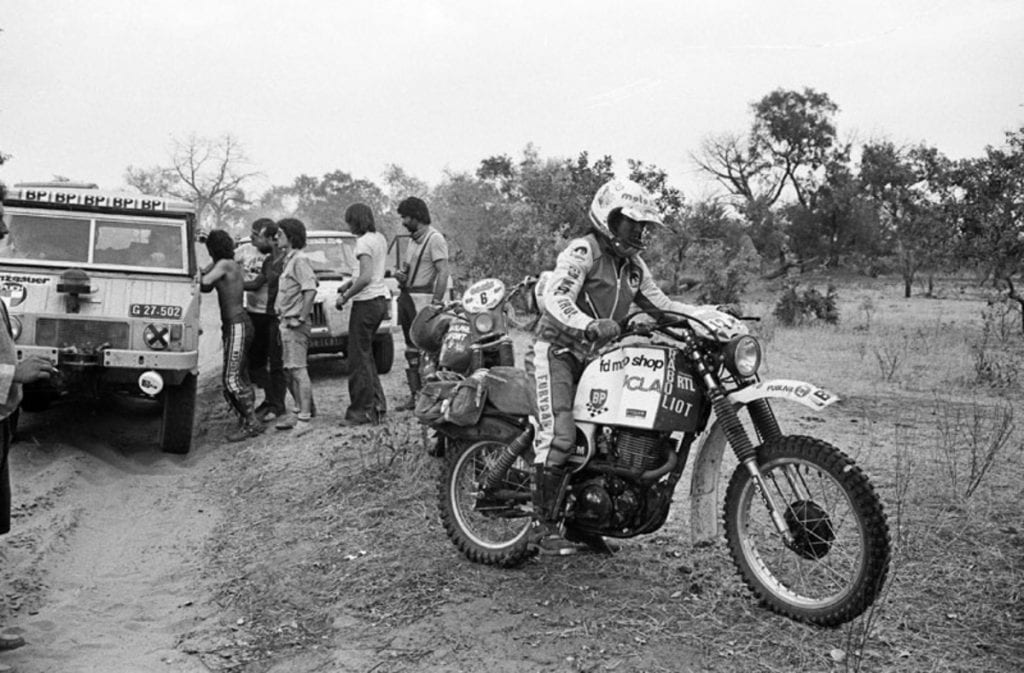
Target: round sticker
{"type": "Point", "coordinates": [151, 383]}
{"type": "Point", "coordinates": [14, 293]}
{"type": "Point", "coordinates": [483, 295]}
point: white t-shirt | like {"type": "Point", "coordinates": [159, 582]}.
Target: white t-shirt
{"type": "Point", "coordinates": [374, 244]}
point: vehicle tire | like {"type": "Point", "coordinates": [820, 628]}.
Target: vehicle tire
{"type": "Point", "coordinates": [383, 347]}
{"type": "Point", "coordinates": [493, 533]}
{"type": "Point", "coordinates": [839, 559]}
{"type": "Point", "coordinates": [179, 416]}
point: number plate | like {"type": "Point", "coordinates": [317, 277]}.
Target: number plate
{"type": "Point", "coordinates": [155, 311]}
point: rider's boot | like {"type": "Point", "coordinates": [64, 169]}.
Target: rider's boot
{"type": "Point", "coordinates": [593, 542]}
{"type": "Point", "coordinates": [546, 536]}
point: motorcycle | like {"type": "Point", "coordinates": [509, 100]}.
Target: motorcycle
{"type": "Point", "coordinates": [465, 335]}
{"type": "Point", "coordinates": [802, 521]}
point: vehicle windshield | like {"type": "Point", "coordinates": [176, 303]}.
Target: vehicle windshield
{"type": "Point", "coordinates": [61, 239]}
{"type": "Point", "coordinates": [332, 256]}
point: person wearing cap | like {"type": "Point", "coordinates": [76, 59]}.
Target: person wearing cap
{"type": "Point", "coordinates": [595, 281]}
{"type": "Point", "coordinates": [424, 274]}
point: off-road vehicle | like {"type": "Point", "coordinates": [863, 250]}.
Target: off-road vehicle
{"type": "Point", "coordinates": [105, 285]}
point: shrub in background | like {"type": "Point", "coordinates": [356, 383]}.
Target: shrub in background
{"type": "Point", "coordinates": [725, 273]}
{"type": "Point", "coordinates": [800, 308]}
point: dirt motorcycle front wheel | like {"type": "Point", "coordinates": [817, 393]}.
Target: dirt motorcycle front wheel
{"type": "Point", "coordinates": [484, 528]}
{"type": "Point", "coordinates": [836, 563]}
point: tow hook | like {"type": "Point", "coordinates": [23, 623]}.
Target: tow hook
{"type": "Point", "coordinates": [151, 383]}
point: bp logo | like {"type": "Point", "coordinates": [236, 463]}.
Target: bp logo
{"type": "Point", "coordinates": [596, 405]}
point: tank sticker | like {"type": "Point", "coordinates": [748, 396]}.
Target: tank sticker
{"type": "Point", "coordinates": [14, 293]}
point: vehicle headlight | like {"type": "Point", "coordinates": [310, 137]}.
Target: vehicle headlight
{"type": "Point", "coordinates": [483, 323]}
{"type": "Point", "coordinates": [15, 327]}
{"type": "Point", "coordinates": [743, 356]}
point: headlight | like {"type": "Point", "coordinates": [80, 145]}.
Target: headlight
{"type": "Point", "coordinates": [743, 356]}
{"type": "Point", "coordinates": [483, 323]}
{"type": "Point", "coordinates": [15, 327]}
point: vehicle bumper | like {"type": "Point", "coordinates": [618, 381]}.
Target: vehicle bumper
{"type": "Point", "coordinates": [117, 359]}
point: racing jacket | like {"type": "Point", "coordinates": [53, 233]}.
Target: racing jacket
{"type": "Point", "coordinates": [590, 283]}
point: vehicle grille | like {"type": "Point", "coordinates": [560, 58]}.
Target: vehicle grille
{"type": "Point", "coordinates": [85, 335]}
{"type": "Point", "coordinates": [317, 317]}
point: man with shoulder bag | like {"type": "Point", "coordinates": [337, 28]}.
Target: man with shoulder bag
{"type": "Point", "coordinates": [423, 280]}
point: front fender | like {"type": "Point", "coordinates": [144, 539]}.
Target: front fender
{"type": "Point", "coordinates": [802, 392]}
{"type": "Point", "coordinates": [706, 487]}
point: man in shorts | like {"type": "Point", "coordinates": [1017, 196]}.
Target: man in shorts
{"type": "Point", "coordinates": [296, 290]}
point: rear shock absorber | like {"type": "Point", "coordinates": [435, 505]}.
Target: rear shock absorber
{"type": "Point", "coordinates": [508, 455]}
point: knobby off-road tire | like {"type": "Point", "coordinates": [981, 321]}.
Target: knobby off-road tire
{"type": "Point", "coordinates": [840, 556]}
{"type": "Point", "coordinates": [178, 416]}
{"type": "Point", "coordinates": [482, 537]}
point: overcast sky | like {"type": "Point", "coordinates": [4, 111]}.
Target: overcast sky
{"type": "Point", "coordinates": [89, 87]}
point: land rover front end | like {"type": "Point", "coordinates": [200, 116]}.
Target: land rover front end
{"type": "Point", "coordinates": [105, 285]}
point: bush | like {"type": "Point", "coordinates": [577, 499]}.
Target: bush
{"type": "Point", "coordinates": [796, 308]}
{"type": "Point", "coordinates": [725, 274]}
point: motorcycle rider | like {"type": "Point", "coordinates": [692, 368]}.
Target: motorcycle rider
{"type": "Point", "coordinates": [596, 279]}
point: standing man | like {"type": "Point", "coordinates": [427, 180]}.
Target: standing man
{"type": "Point", "coordinates": [225, 275]}
{"type": "Point", "coordinates": [296, 291]}
{"type": "Point", "coordinates": [424, 274]}
{"type": "Point", "coordinates": [12, 374]}
{"type": "Point", "coordinates": [260, 294]}
{"type": "Point", "coordinates": [250, 258]}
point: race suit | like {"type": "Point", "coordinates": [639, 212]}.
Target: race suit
{"type": "Point", "coordinates": [589, 282]}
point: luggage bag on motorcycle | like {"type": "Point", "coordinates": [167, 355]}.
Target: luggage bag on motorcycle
{"type": "Point", "coordinates": [432, 401]}
{"type": "Point", "coordinates": [504, 390]}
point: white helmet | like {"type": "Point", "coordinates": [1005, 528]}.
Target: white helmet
{"type": "Point", "coordinates": [628, 197]}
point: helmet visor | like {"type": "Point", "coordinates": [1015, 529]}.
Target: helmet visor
{"type": "Point", "coordinates": [642, 213]}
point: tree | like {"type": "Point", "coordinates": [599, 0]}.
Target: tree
{"type": "Point", "coordinates": [907, 184]}
{"type": "Point", "coordinates": [791, 144]}
{"type": "Point", "coordinates": [208, 172]}
{"type": "Point", "coordinates": [986, 200]}
{"type": "Point", "coordinates": [794, 131]}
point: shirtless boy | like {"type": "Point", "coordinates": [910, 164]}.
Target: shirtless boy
{"type": "Point", "coordinates": [226, 276]}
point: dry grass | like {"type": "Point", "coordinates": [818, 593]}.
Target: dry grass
{"type": "Point", "coordinates": [339, 543]}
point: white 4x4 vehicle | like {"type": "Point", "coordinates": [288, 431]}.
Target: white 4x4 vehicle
{"type": "Point", "coordinates": [105, 286]}
{"type": "Point", "coordinates": [333, 255]}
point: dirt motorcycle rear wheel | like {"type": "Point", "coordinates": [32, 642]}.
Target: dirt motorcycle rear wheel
{"type": "Point", "coordinates": [493, 533]}
{"type": "Point", "coordinates": [839, 558]}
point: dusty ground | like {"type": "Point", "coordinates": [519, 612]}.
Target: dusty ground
{"type": "Point", "coordinates": [327, 555]}
{"type": "Point", "coordinates": [124, 559]}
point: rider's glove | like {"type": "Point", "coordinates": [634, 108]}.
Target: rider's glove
{"type": "Point", "coordinates": [731, 309]}
{"type": "Point", "coordinates": [602, 329]}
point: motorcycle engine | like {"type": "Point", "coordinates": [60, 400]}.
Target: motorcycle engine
{"type": "Point", "coordinates": [638, 450]}
{"type": "Point", "coordinates": [607, 503]}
